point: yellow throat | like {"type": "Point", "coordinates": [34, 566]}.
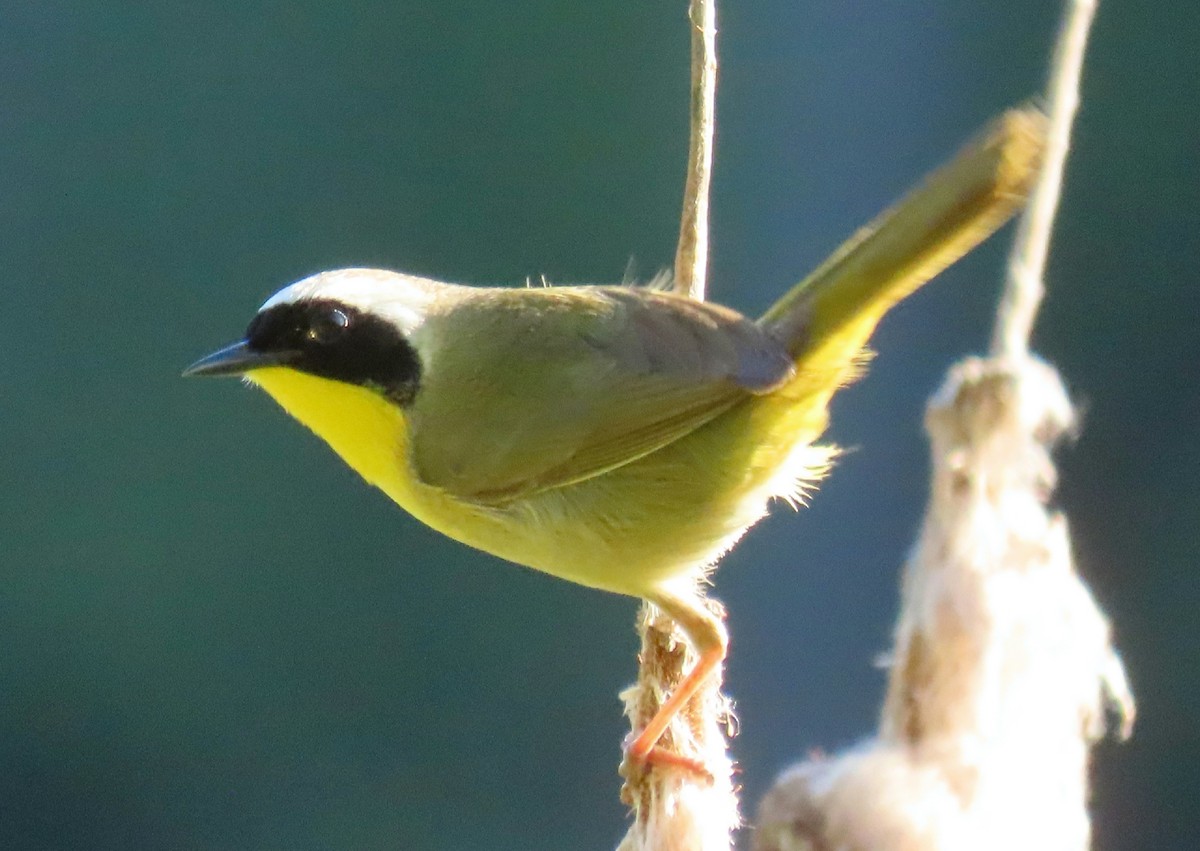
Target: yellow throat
{"type": "Point", "coordinates": [367, 431]}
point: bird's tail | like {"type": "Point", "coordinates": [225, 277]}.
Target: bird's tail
{"type": "Point", "coordinates": [826, 319]}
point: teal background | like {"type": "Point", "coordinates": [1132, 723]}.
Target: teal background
{"type": "Point", "coordinates": [212, 636]}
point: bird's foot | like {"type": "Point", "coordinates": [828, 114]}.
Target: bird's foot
{"type": "Point", "coordinates": [639, 760]}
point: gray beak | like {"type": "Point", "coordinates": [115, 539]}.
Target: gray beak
{"type": "Point", "coordinates": [237, 359]}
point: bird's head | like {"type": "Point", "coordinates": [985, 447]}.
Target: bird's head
{"type": "Point", "coordinates": [355, 326]}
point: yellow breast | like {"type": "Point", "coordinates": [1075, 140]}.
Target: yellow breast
{"type": "Point", "coordinates": [372, 435]}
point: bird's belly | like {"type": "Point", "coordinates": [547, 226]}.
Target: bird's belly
{"type": "Point", "coordinates": [598, 533]}
{"type": "Point", "coordinates": [669, 514]}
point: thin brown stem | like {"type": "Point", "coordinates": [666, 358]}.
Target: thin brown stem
{"type": "Point", "coordinates": [691, 257]}
{"type": "Point", "coordinates": [1025, 283]}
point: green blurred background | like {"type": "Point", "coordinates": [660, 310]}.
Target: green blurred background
{"type": "Point", "coordinates": [212, 636]}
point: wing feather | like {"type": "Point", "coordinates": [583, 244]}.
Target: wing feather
{"type": "Point", "coordinates": [527, 390]}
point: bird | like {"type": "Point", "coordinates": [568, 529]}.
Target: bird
{"type": "Point", "coordinates": [620, 437]}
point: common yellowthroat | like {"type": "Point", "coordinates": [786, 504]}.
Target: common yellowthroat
{"type": "Point", "coordinates": [622, 438]}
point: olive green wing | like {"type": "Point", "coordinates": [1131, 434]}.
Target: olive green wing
{"type": "Point", "coordinates": [528, 390]}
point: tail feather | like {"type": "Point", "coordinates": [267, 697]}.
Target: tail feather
{"type": "Point", "coordinates": [826, 319]}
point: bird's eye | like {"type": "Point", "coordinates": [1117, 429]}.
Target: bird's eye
{"type": "Point", "coordinates": [327, 325]}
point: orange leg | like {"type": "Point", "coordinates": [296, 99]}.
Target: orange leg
{"type": "Point", "coordinates": [707, 635]}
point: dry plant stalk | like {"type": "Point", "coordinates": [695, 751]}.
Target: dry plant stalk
{"type": "Point", "coordinates": [1002, 660]}
{"type": "Point", "coordinates": [1027, 263]}
{"type": "Point", "coordinates": [691, 256]}
{"type": "Point", "coordinates": [674, 810]}
{"type": "Point", "coordinates": [1003, 666]}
